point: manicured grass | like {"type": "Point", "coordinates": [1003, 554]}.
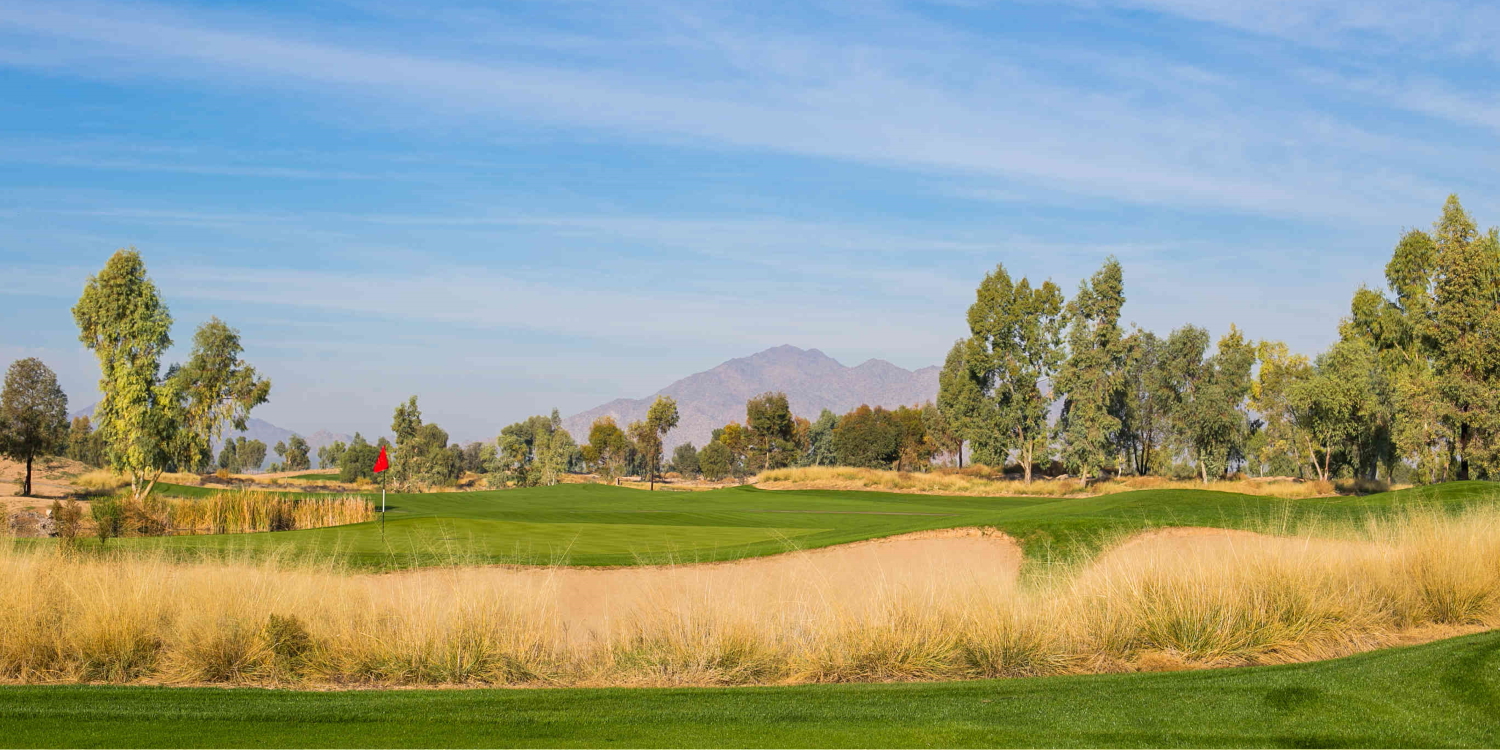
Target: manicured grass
{"type": "Point", "coordinates": [318, 477]}
{"type": "Point", "coordinates": [592, 524]}
{"type": "Point", "coordinates": [1444, 694]}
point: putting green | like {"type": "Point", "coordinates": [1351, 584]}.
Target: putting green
{"type": "Point", "coordinates": [590, 524]}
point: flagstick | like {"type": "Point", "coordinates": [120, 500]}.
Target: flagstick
{"type": "Point", "coordinates": [382, 505]}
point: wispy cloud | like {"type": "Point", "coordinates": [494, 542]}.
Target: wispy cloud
{"type": "Point", "coordinates": [860, 102]}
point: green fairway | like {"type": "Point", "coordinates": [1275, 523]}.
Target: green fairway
{"type": "Point", "coordinates": [592, 524]}
{"type": "Point", "coordinates": [1445, 694]}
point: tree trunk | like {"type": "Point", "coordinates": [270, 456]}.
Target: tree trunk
{"type": "Point", "coordinates": [26, 489]}
{"type": "Point", "coordinates": [1463, 447]}
{"type": "Point", "coordinates": [960, 455]}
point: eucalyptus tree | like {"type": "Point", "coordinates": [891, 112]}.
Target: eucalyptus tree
{"type": "Point", "coordinates": [1091, 376]}
{"type": "Point", "coordinates": [661, 417]}
{"type": "Point", "coordinates": [772, 431]}
{"type": "Point", "coordinates": [122, 319]}
{"type": "Point", "coordinates": [608, 449]}
{"type": "Point", "coordinates": [1332, 406]}
{"type": "Point", "coordinates": [33, 415]}
{"type": "Point", "coordinates": [215, 388]}
{"type": "Point", "coordinates": [1466, 337]}
{"type": "Point", "coordinates": [1209, 395]}
{"type": "Point", "coordinates": [293, 454]}
{"type": "Point", "coordinates": [331, 455]}
{"type": "Point", "coordinates": [1015, 344]}
{"type": "Point", "coordinates": [820, 450]}
{"type": "Point", "coordinates": [84, 443]}
{"type": "Point", "coordinates": [1143, 402]}
{"type": "Point", "coordinates": [1281, 443]}
{"type": "Point", "coordinates": [962, 402]}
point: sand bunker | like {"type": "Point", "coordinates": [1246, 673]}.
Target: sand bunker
{"type": "Point", "coordinates": [1213, 545]}
{"type": "Point", "coordinates": [593, 601]}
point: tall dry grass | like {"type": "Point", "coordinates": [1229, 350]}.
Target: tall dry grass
{"type": "Point", "coordinates": [240, 512]}
{"type": "Point", "coordinates": [981, 482]}
{"type": "Point", "coordinates": [243, 511]}
{"type": "Point", "coordinates": [1161, 601]}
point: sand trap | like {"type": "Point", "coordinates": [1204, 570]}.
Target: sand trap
{"type": "Point", "coordinates": [592, 601]}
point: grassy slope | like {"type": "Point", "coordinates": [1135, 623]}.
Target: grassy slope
{"type": "Point", "coordinates": [1444, 694]}
{"type": "Point", "coordinates": [588, 524]}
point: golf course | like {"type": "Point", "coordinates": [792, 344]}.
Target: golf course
{"type": "Point", "coordinates": [602, 525]}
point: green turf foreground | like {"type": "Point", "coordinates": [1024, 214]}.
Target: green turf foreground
{"type": "Point", "coordinates": [1444, 694]}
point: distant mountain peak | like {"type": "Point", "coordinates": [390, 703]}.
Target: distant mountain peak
{"type": "Point", "coordinates": [812, 381]}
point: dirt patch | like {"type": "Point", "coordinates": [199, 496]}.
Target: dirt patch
{"type": "Point", "coordinates": [590, 601]}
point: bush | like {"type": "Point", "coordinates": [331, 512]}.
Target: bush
{"type": "Point", "coordinates": [109, 517]}
{"type": "Point", "coordinates": [67, 519]}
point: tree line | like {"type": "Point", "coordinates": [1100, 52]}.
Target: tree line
{"type": "Point", "coordinates": [1410, 390]}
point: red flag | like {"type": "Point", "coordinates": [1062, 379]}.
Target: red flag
{"type": "Point", "coordinates": [382, 463]}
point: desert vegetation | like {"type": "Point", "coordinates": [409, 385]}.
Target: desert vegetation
{"type": "Point", "coordinates": [233, 512]}
{"type": "Point", "coordinates": [982, 481]}
{"type": "Point", "coordinates": [1163, 600]}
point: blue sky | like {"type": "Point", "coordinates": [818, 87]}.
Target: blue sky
{"type": "Point", "coordinates": [509, 207]}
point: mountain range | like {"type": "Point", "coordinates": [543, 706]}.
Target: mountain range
{"type": "Point", "coordinates": [811, 380]}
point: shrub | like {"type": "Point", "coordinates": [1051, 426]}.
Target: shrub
{"type": "Point", "coordinates": [108, 514]}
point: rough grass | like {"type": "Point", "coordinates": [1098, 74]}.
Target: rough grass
{"type": "Point", "coordinates": [1156, 603]}
{"type": "Point", "coordinates": [1436, 695]}
{"type": "Point", "coordinates": [981, 481]}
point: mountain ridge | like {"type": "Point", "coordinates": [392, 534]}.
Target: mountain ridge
{"type": "Point", "coordinates": [812, 380]}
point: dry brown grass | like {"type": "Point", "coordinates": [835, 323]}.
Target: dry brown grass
{"type": "Point", "coordinates": [983, 482]}
{"type": "Point", "coordinates": [1164, 601]}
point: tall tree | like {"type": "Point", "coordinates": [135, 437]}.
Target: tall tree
{"type": "Point", "coordinates": [685, 460]}
{"type": "Point", "coordinates": [293, 454]}
{"type": "Point", "coordinates": [914, 446]}
{"type": "Point", "coordinates": [405, 423]}
{"type": "Point", "coordinates": [608, 450]}
{"type": "Point", "coordinates": [1143, 403]}
{"type": "Point", "coordinates": [1465, 321]}
{"type": "Point", "coordinates": [868, 437]}
{"type": "Point", "coordinates": [1332, 406]}
{"type": "Point", "coordinates": [714, 461]}
{"type": "Point", "coordinates": [660, 419]}
{"type": "Point", "coordinates": [122, 319]}
{"type": "Point", "coordinates": [331, 455]}
{"type": "Point", "coordinates": [1015, 345]}
{"type": "Point", "coordinates": [941, 433]}
{"type": "Point", "coordinates": [535, 452]}
{"type": "Point", "coordinates": [216, 388]}
{"type": "Point", "coordinates": [84, 444]}
{"type": "Point", "coordinates": [1209, 396]}
{"type": "Point", "coordinates": [1281, 444]}
{"type": "Point", "coordinates": [772, 431]}
{"type": "Point", "coordinates": [33, 415]}
{"type": "Point", "coordinates": [820, 451]}
{"type": "Point", "coordinates": [358, 460]}
{"type": "Point", "coordinates": [1091, 376]}
{"type": "Point", "coordinates": [736, 438]}
{"type": "Point", "coordinates": [961, 399]}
